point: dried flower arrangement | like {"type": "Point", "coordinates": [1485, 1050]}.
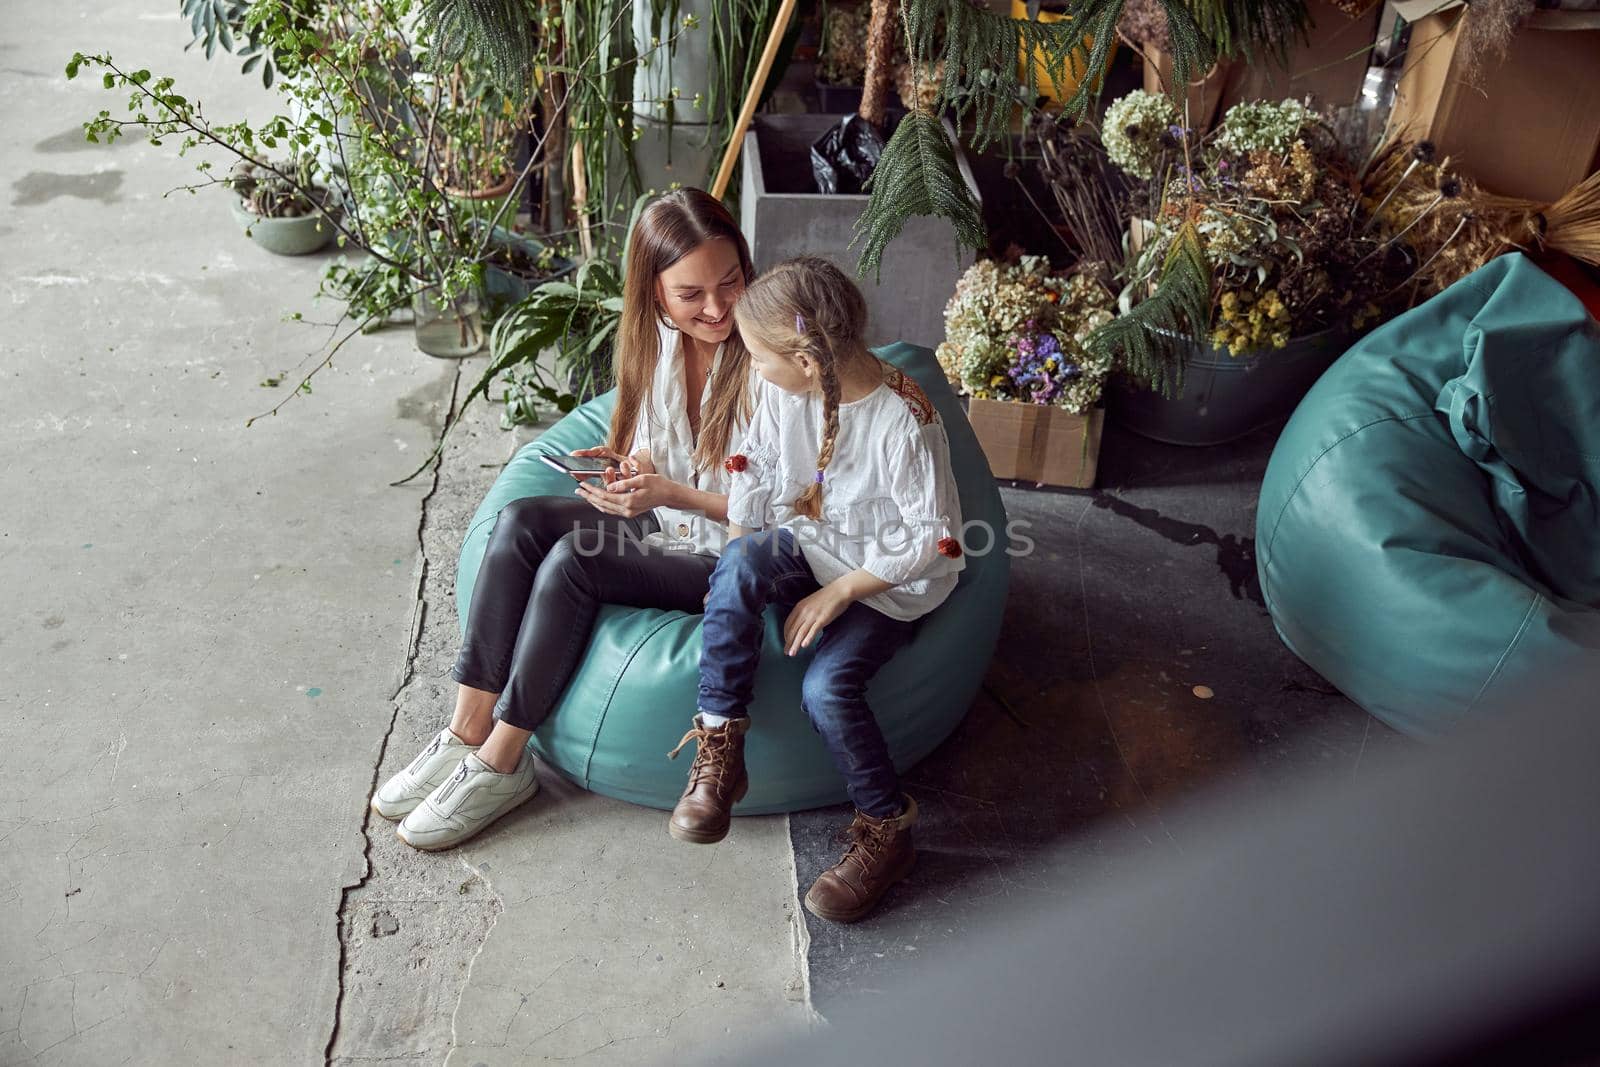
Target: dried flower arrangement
{"type": "Point", "coordinates": [1489, 27]}
{"type": "Point", "coordinates": [1145, 22]}
{"type": "Point", "coordinates": [1015, 331]}
{"type": "Point", "coordinates": [918, 86]}
{"type": "Point", "coordinates": [1247, 236]}
{"type": "Point", "coordinates": [1088, 189]}
{"type": "Point", "coordinates": [842, 59]}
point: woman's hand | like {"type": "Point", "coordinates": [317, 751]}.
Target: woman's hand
{"type": "Point", "coordinates": [807, 618]}
{"type": "Point", "coordinates": [619, 462]}
{"type": "Point", "coordinates": [632, 497]}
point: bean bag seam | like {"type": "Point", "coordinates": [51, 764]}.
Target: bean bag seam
{"type": "Point", "coordinates": [616, 681]}
{"type": "Point", "coordinates": [1273, 538]}
{"type": "Point", "coordinates": [1522, 628]}
{"type": "Point", "coordinates": [475, 527]}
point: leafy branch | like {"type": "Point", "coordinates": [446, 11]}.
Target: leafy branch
{"type": "Point", "coordinates": [1140, 337]}
{"type": "Point", "coordinates": [501, 31]}
{"type": "Point", "coordinates": [910, 180]}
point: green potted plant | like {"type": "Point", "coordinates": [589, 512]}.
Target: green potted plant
{"type": "Point", "coordinates": [1014, 336]}
{"type": "Point", "coordinates": [516, 265]}
{"type": "Point", "coordinates": [283, 207]}
{"type": "Point", "coordinates": [1249, 266]}
{"type": "Point", "coordinates": [473, 139]}
{"type": "Point", "coordinates": [974, 50]}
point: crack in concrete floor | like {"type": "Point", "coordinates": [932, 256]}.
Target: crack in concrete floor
{"type": "Point", "coordinates": [610, 942]}
{"type": "Point", "coordinates": [413, 647]}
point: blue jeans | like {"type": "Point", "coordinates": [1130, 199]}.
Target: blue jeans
{"type": "Point", "coordinates": [767, 568]}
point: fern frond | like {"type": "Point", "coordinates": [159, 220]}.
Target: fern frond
{"type": "Point", "coordinates": [916, 175]}
{"type": "Point", "coordinates": [1255, 29]}
{"type": "Point", "coordinates": [500, 30]}
{"type": "Point", "coordinates": [1194, 49]}
{"type": "Point", "coordinates": [1147, 339]}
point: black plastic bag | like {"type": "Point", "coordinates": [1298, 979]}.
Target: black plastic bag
{"type": "Point", "coordinates": [844, 158]}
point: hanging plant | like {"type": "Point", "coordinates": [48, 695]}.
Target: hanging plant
{"type": "Point", "coordinates": [226, 23]}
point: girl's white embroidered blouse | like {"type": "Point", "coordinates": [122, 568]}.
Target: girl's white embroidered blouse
{"type": "Point", "coordinates": [888, 496]}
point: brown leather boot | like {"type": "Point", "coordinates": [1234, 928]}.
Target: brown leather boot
{"type": "Point", "coordinates": [716, 782]}
{"type": "Point", "coordinates": [880, 854]}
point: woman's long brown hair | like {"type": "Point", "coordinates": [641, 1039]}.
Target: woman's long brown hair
{"type": "Point", "coordinates": [669, 228]}
{"type": "Point", "coordinates": [809, 305]}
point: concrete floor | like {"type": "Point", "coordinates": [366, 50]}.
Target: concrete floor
{"type": "Point", "coordinates": [216, 636]}
{"type": "Point", "coordinates": [1138, 592]}
{"type": "Point", "coordinates": [575, 929]}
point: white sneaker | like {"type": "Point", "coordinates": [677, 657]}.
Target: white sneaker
{"type": "Point", "coordinates": [467, 802]}
{"type": "Point", "coordinates": [400, 795]}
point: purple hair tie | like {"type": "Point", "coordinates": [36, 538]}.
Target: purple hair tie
{"type": "Point", "coordinates": [819, 475]}
{"type": "Point", "coordinates": [799, 324]}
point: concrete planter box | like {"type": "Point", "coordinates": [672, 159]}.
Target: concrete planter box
{"type": "Point", "coordinates": [783, 217]}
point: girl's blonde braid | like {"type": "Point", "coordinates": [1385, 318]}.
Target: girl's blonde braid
{"type": "Point", "coordinates": [808, 305]}
{"type": "Point", "coordinates": [809, 502]}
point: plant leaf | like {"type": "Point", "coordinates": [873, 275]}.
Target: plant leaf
{"type": "Point", "coordinates": [1147, 339]}
{"type": "Point", "coordinates": [916, 175]}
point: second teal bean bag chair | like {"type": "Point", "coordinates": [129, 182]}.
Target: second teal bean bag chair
{"type": "Point", "coordinates": [1428, 535]}
{"type": "Point", "coordinates": [633, 696]}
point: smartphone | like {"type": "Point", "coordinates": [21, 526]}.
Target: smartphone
{"type": "Point", "coordinates": [577, 465]}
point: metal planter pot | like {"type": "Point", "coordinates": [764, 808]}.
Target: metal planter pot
{"type": "Point", "coordinates": [1227, 397]}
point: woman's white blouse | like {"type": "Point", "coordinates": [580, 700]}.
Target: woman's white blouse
{"type": "Point", "coordinates": [663, 429]}
{"type": "Point", "coordinates": [888, 496]}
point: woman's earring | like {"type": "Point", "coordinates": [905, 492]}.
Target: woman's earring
{"type": "Point", "coordinates": [661, 317]}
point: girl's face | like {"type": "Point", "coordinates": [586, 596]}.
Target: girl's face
{"type": "Point", "coordinates": [794, 374]}
{"type": "Point", "coordinates": [698, 292]}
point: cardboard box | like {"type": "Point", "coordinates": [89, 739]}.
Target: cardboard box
{"type": "Point", "coordinates": [1528, 126]}
{"type": "Point", "coordinates": [1038, 443]}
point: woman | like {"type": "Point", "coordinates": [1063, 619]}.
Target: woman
{"type": "Point", "coordinates": [648, 537]}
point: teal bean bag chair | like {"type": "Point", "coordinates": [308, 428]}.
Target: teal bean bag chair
{"type": "Point", "coordinates": [634, 694]}
{"type": "Point", "coordinates": [1428, 535]}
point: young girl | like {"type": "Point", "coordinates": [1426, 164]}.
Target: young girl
{"type": "Point", "coordinates": [845, 473]}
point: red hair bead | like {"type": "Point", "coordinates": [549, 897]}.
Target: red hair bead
{"type": "Point", "coordinates": [949, 546]}
{"type": "Point", "coordinates": [735, 464]}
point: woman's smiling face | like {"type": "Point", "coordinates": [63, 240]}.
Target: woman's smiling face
{"type": "Point", "coordinates": [698, 291]}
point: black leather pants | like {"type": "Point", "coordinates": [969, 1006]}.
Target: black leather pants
{"type": "Point", "coordinates": [551, 562]}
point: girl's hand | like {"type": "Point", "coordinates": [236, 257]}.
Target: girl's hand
{"type": "Point", "coordinates": [807, 618]}
{"type": "Point", "coordinates": [632, 497]}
